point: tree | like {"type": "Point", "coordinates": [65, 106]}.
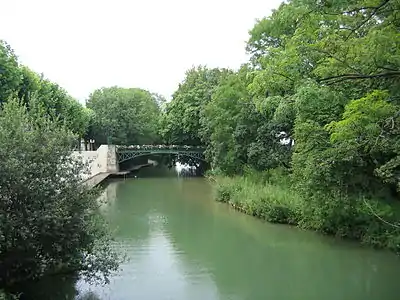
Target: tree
{"type": "Point", "coordinates": [334, 65]}
{"type": "Point", "coordinates": [124, 116]}
{"type": "Point", "coordinates": [60, 106]}
{"type": "Point", "coordinates": [49, 220]}
{"type": "Point", "coordinates": [367, 141]}
{"type": "Point", "coordinates": [19, 81]}
{"type": "Point", "coordinates": [181, 121]}
{"type": "Point", "coordinates": [320, 56]}
{"type": "Point", "coordinates": [220, 121]}
{"type": "Point", "coordinates": [218, 109]}
{"type": "Point", "coordinates": [10, 74]}
{"type": "Point", "coordinates": [238, 132]}
{"type": "Point", "coordinates": [30, 84]}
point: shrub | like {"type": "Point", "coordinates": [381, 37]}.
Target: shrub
{"type": "Point", "coordinates": [223, 193]}
{"type": "Point", "coordinates": [49, 221]}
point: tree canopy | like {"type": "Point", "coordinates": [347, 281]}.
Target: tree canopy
{"type": "Point", "coordinates": [124, 115]}
{"type": "Point", "coordinates": [181, 122]}
{"type": "Point", "coordinates": [19, 81]}
{"type": "Point", "coordinates": [313, 65]}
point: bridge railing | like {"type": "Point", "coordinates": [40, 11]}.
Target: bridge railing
{"type": "Point", "coordinates": [160, 147]}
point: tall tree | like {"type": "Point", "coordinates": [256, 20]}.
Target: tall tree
{"type": "Point", "coordinates": [10, 74]}
{"type": "Point", "coordinates": [19, 81]}
{"type": "Point", "coordinates": [124, 116]}
{"type": "Point", "coordinates": [181, 121]}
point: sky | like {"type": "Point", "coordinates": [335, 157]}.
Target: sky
{"type": "Point", "coordinates": [87, 44]}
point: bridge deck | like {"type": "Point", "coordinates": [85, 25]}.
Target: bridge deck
{"type": "Point", "coordinates": [131, 151]}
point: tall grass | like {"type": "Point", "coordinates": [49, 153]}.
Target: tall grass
{"type": "Point", "coordinates": [264, 195]}
{"type": "Point", "coordinates": [269, 196]}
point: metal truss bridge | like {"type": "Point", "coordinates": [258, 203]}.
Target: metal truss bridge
{"type": "Point", "coordinates": [128, 152]}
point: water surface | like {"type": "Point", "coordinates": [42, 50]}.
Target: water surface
{"type": "Point", "coordinates": [183, 245]}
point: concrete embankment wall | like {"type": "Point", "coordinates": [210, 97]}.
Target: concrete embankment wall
{"type": "Point", "coordinates": [101, 162]}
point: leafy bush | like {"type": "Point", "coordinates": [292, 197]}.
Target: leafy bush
{"type": "Point", "coordinates": [49, 222]}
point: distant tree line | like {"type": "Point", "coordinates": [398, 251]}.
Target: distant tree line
{"type": "Point", "coordinates": [19, 82]}
{"type": "Point", "coordinates": [114, 114]}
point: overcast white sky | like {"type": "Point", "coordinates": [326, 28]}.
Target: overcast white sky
{"type": "Point", "coordinates": [87, 44]}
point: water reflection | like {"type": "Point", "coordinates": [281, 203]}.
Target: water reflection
{"type": "Point", "coordinates": [185, 170]}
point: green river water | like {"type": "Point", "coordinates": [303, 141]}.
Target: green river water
{"type": "Point", "coordinates": [182, 245]}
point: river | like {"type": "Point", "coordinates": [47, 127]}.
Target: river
{"type": "Point", "coordinates": [182, 245]}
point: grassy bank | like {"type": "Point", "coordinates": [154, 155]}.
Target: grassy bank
{"type": "Point", "coordinates": [270, 196]}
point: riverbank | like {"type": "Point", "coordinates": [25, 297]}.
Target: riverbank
{"type": "Point", "coordinates": [100, 177]}
{"type": "Point", "coordinates": [273, 199]}
{"type": "Point", "coordinates": [96, 179]}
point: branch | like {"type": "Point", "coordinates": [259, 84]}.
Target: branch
{"type": "Point", "coordinates": [368, 18]}
{"type": "Point", "coordinates": [379, 217]}
{"type": "Point", "coordinates": [283, 75]}
{"type": "Point", "coordinates": [303, 16]}
{"type": "Point", "coordinates": [366, 7]}
{"type": "Point", "coordinates": [345, 28]}
{"type": "Point", "coordinates": [355, 10]}
{"type": "Point", "coordinates": [386, 68]}
{"type": "Point", "coordinates": [360, 76]}
{"type": "Point", "coordinates": [339, 60]}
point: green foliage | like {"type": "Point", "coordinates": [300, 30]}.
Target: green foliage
{"type": "Point", "coordinates": [19, 81]}
{"type": "Point", "coordinates": [60, 106]}
{"type": "Point", "coordinates": [215, 107]}
{"type": "Point", "coordinates": [181, 121]}
{"type": "Point", "coordinates": [10, 74]}
{"type": "Point", "coordinates": [367, 139]}
{"type": "Point", "coordinates": [219, 124]}
{"type": "Point", "coordinates": [49, 221]}
{"type": "Point", "coordinates": [124, 116]}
